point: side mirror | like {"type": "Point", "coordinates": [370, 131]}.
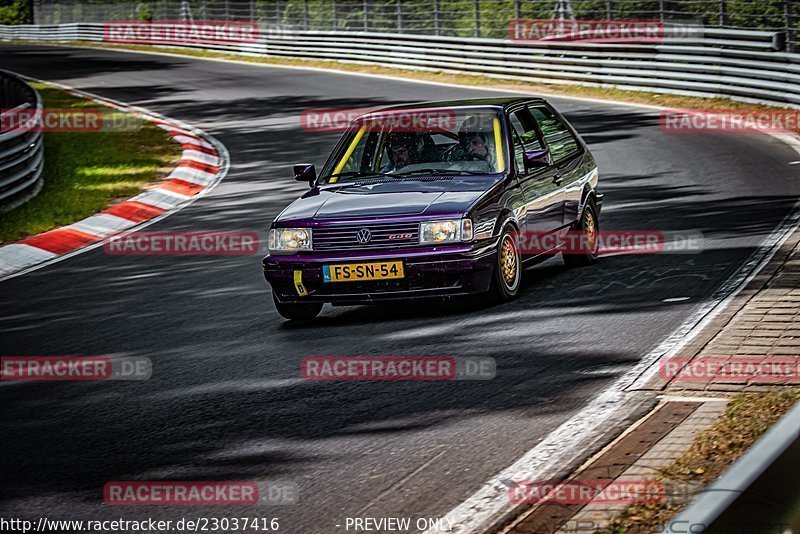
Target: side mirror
{"type": "Point", "coordinates": [536, 159]}
{"type": "Point", "coordinates": [305, 172]}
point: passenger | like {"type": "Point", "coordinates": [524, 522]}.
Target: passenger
{"type": "Point", "coordinates": [475, 141]}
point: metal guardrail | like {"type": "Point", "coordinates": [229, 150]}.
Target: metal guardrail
{"type": "Point", "coordinates": [739, 64]}
{"type": "Point", "coordinates": [759, 493]}
{"type": "Point", "coordinates": [21, 147]}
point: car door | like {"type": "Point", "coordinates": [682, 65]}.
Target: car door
{"type": "Point", "coordinates": [543, 211]}
{"type": "Point", "coordinates": [566, 152]}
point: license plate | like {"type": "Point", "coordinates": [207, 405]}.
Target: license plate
{"type": "Point", "coordinates": [357, 272]}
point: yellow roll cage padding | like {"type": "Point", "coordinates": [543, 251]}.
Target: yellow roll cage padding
{"type": "Point", "coordinates": [350, 150]}
{"type": "Point", "coordinates": [498, 146]}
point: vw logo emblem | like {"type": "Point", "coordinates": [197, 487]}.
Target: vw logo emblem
{"type": "Point", "coordinates": [363, 236]}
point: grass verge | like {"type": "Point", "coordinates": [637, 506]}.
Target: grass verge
{"type": "Point", "coordinates": [476, 80]}
{"type": "Point", "coordinates": [85, 172]}
{"type": "Point", "coordinates": [747, 417]}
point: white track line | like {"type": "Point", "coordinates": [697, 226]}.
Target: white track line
{"type": "Point", "coordinates": [565, 445]}
{"type": "Point", "coordinates": [568, 443]}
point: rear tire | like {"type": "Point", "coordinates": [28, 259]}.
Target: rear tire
{"type": "Point", "coordinates": [507, 277]}
{"type": "Point", "coordinates": [297, 312]}
{"type": "Point", "coordinates": [588, 227]}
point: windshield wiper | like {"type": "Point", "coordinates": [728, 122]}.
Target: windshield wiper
{"type": "Point", "coordinates": [441, 171]}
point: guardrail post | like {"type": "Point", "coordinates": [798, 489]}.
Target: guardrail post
{"type": "Point", "coordinates": [723, 12]}
{"type": "Point", "coordinates": [609, 10]}
{"type": "Point", "coordinates": [366, 15]}
{"type": "Point", "coordinates": [333, 18]}
{"type": "Point", "coordinates": [305, 15]}
{"type": "Point", "coordinates": [517, 9]}
{"type": "Point", "coordinates": [787, 11]}
{"type": "Point", "coordinates": [436, 17]}
{"type": "Point", "coordinates": [399, 16]}
{"type": "Point", "coordinates": [661, 10]}
{"type": "Point", "coordinates": [477, 18]}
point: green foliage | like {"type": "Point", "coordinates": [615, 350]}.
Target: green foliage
{"type": "Point", "coordinates": [144, 12]}
{"type": "Point", "coordinates": [462, 18]}
{"type": "Point", "coordinates": [15, 11]}
{"type": "Point", "coordinates": [458, 17]}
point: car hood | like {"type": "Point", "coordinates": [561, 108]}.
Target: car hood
{"type": "Point", "coordinates": [448, 196]}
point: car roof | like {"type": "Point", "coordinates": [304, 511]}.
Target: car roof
{"type": "Point", "coordinates": [496, 101]}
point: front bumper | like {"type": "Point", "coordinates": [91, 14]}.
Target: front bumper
{"type": "Point", "coordinates": [430, 272]}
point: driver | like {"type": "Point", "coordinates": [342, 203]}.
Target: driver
{"type": "Point", "coordinates": [402, 152]}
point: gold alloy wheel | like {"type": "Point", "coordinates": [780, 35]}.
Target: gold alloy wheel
{"type": "Point", "coordinates": [590, 230]}
{"type": "Point", "coordinates": [508, 262]}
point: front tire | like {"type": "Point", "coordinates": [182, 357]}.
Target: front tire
{"type": "Point", "coordinates": [297, 312]}
{"type": "Point", "coordinates": [588, 227]}
{"type": "Point", "coordinates": [507, 276]}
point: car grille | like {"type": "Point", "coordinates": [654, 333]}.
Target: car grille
{"type": "Point", "coordinates": [382, 235]}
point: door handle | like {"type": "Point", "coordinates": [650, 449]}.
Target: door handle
{"type": "Point", "coordinates": [557, 178]}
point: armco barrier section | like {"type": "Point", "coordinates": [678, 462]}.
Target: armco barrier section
{"type": "Point", "coordinates": [758, 493]}
{"type": "Point", "coordinates": [739, 64]}
{"type": "Point", "coordinates": [21, 149]}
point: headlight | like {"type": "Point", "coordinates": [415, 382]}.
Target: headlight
{"type": "Point", "coordinates": [447, 231]}
{"type": "Point", "coordinates": [289, 239]}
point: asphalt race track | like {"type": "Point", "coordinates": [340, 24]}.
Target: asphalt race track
{"type": "Point", "coordinates": [226, 401]}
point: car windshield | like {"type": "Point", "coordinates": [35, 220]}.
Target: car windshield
{"type": "Point", "coordinates": [415, 142]}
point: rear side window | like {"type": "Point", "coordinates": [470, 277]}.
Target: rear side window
{"type": "Point", "coordinates": [558, 136]}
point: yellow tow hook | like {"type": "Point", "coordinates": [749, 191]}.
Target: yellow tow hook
{"type": "Point", "coordinates": [298, 284]}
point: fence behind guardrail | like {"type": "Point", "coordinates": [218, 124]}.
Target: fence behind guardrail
{"type": "Point", "coordinates": [458, 18]}
{"type": "Point", "coordinates": [21, 146]}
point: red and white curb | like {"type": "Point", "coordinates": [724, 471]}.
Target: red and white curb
{"type": "Point", "coordinates": [203, 164]}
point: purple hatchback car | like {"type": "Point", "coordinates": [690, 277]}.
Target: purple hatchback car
{"type": "Point", "coordinates": [428, 201]}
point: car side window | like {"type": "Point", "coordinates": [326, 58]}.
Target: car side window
{"type": "Point", "coordinates": [559, 138]}
{"type": "Point", "coordinates": [526, 137]}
